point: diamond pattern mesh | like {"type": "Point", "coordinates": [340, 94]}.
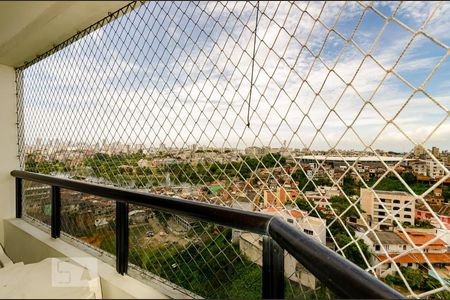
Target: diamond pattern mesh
{"type": "Point", "coordinates": [330, 114]}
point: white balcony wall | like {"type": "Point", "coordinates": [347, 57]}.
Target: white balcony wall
{"type": "Point", "coordinates": [8, 147]}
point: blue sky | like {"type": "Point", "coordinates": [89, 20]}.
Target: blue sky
{"type": "Point", "coordinates": [179, 74]}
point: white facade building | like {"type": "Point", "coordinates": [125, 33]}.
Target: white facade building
{"type": "Point", "coordinates": [251, 244]}
{"type": "Point", "coordinates": [400, 205]}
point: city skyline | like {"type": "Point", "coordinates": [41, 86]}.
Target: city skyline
{"type": "Point", "coordinates": [57, 145]}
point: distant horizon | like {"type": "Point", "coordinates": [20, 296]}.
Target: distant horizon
{"type": "Point", "coordinates": [187, 147]}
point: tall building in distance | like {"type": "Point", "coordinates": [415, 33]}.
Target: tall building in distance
{"type": "Point", "coordinates": [435, 152]}
{"type": "Point", "coordinates": [419, 150]}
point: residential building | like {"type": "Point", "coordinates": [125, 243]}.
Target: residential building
{"type": "Point", "coordinates": [419, 151]}
{"type": "Point", "coordinates": [322, 194]}
{"type": "Point", "coordinates": [312, 226]}
{"type": "Point", "coordinates": [400, 205]}
{"type": "Point", "coordinates": [251, 244]}
{"type": "Point", "coordinates": [435, 151]}
{"type": "Point", "coordinates": [138, 216]}
{"type": "Point", "coordinates": [340, 163]}
{"type": "Point", "coordinates": [186, 222]}
{"type": "Point", "coordinates": [379, 243]}
{"type": "Point", "coordinates": [276, 199]}
{"type": "Point", "coordinates": [389, 247]}
{"type": "Point", "coordinates": [442, 212]}
{"type": "Point", "coordinates": [434, 251]}
{"type": "Point", "coordinates": [428, 167]}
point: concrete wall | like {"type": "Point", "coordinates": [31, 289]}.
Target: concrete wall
{"type": "Point", "coordinates": [8, 148]}
{"type": "Point", "coordinates": [30, 28]}
{"type": "Point", "coordinates": [28, 244]}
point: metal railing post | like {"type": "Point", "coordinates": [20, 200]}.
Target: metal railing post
{"type": "Point", "coordinates": [343, 277]}
{"type": "Point", "coordinates": [122, 232]}
{"type": "Point", "coordinates": [19, 189]}
{"type": "Point", "coordinates": [56, 212]}
{"type": "Point", "coordinates": [272, 270]}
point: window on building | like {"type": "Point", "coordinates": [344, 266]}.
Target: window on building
{"type": "Point", "coordinates": [307, 231]}
{"type": "Point", "coordinates": [407, 216]}
{"type": "Point", "coordinates": [377, 247]}
{"type": "Point", "coordinates": [396, 201]}
{"type": "Point", "coordinates": [290, 221]}
{"type": "Point", "coordinates": [384, 227]}
{"type": "Point", "coordinates": [407, 209]}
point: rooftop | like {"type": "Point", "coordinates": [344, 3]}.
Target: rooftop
{"type": "Point", "coordinates": [421, 238]}
{"type": "Point", "coordinates": [420, 258]}
{"type": "Point", "coordinates": [387, 238]}
{"type": "Point", "coordinates": [352, 158]}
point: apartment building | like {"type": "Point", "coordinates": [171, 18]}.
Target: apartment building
{"type": "Point", "coordinates": [426, 167]}
{"type": "Point", "coordinates": [400, 205]}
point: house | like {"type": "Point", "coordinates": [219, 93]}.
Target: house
{"type": "Point", "coordinates": [312, 226]}
{"type": "Point", "coordinates": [186, 222]}
{"type": "Point", "coordinates": [143, 163]}
{"type": "Point", "coordinates": [138, 216]}
{"type": "Point", "coordinates": [251, 244]}
{"type": "Point", "coordinates": [442, 214]}
{"type": "Point", "coordinates": [322, 194]}
{"type": "Point", "coordinates": [403, 254]}
{"type": "Point", "coordinates": [278, 198]}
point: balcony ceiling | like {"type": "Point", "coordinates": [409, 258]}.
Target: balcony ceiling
{"type": "Point", "coordinates": [28, 29]}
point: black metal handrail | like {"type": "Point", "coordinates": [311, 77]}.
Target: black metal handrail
{"type": "Point", "coordinates": [341, 276]}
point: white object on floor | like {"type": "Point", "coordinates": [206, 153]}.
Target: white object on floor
{"type": "Point", "coordinates": [50, 279]}
{"type": "Point", "coordinates": [4, 259]}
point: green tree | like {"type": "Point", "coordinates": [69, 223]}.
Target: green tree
{"type": "Point", "coordinates": [271, 160]}
{"type": "Point", "coordinates": [409, 178]}
{"type": "Point", "coordinates": [303, 204]}
{"type": "Point", "coordinates": [340, 204]}
{"type": "Point", "coordinates": [349, 185]}
{"type": "Point", "coordinates": [446, 193]}
{"type": "Point", "coordinates": [304, 184]}
{"type": "Point", "coordinates": [323, 181]}
{"type": "Point", "coordinates": [352, 252]}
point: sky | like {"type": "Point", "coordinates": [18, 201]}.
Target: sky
{"type": "Point", "coordinates": [180, 74]}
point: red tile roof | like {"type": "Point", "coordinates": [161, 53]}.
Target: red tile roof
{"type": "Point", "coordinates": [420, 238]}
{"type": "Point", "coordinates": [295, 213]}
{"type": "Point", "coordinates": [418, 258]}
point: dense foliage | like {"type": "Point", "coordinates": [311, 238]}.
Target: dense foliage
{"type": "Point", "coordinates": [417, 279]}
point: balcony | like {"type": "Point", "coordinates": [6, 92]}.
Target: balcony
{"type": "Point", "coordinates": [167, 150]}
